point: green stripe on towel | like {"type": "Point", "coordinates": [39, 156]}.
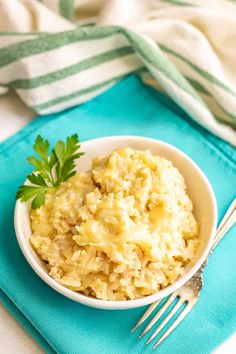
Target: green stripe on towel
{"type": "Point", "coordinates": [66, 8]}
{"type": "Point", "coordinates": [69, 70]}
{"type": "Point", "coordinates": [200, 71]}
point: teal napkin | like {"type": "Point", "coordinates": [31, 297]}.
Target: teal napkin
{"type": "Point", "coordinates": [66, 327]}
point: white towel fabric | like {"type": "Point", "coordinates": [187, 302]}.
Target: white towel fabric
{"type": "Point", "coordinates": [59, 53]}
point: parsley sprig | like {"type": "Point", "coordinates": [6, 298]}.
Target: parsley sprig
{"type": "Point", "coordinates": [50, 169]}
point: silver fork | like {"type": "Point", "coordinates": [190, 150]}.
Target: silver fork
{"type": "Point", "coordinates": [187, 294]}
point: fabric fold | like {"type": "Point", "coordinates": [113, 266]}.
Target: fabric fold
{"type": "Point", "coordinates": [54, 62]}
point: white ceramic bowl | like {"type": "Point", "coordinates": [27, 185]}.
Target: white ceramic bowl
{"type": "Point", "coordinates": [199, 189]}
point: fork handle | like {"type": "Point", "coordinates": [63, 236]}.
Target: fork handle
{"type": "Point", "coordinates": [228, 221]}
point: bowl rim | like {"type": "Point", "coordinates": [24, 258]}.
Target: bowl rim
{"type": "Point", "coordinates": [120, 304]}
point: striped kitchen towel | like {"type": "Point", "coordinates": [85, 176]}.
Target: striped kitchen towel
{"type": "Point", "coordinates": [58, 53]}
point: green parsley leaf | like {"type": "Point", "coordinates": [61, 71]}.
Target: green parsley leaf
{"type": "Point", "coordinates": [26, 192]}
{"type": "Point", "coordinates": [39, 200]}
{"type": "Point", "coordinates": [37, 179]}
{"type": "Point", "coordinates": [50, 168]}
{"type": "Point", "coordinates": [41, 147]}
{"type": "Point", "coordinates": [38, 164]}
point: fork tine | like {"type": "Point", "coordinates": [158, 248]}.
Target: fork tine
{"type": "Point", "coordinates": [145, 315]}
{"type": "Point", "coordinates": [166, 320]}
{"type": "Point", "coordinates": [158, 315]}
{"type": "Point", "coordinates": [180, 318]}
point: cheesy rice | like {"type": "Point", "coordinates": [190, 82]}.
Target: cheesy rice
{"type": "Point", "coordinates": [123, 230]}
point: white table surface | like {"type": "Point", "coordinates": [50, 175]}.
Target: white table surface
{"type": "Point", "coordinates": [13, 338]}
